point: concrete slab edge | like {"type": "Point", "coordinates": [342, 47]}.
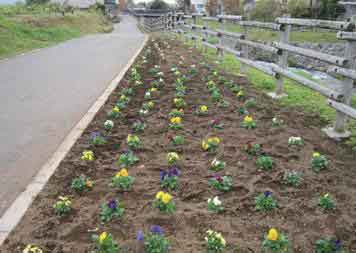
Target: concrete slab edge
{"type": "Point", "coordinates": [18, 208]}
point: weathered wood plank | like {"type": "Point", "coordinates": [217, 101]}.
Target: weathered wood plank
{"type": "Point", "coordinates": [229, 17]}
{"type": "Point", "coordinates": [210, 18]}
{"type": "Point", "coordinates": [346, 35]}
{"type": "Point", "coordinates": [259, 45]}
{"type": "Point", "coordinates": [340, 61]}
{"type": "Point", "coordinates": [262, 67]}
{"type": "Point", "coordinates": [338, 25]}
{"type": "Point", "coordinates": [348, 110]}
{"type": "Point", "coordinates": [230, 34]}
{"type": "Point", "coordinates": [349, 73]}
{"type": "Point", "coordinates": [271, 26]}
{"type": "Point", "coordinates": [307, 82]}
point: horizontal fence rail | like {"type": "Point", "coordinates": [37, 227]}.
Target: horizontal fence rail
{"type": "Point", "coordinates": [345, 67]}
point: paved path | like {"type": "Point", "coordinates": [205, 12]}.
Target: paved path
{"type": "Point", "coordinates": [45, 93]}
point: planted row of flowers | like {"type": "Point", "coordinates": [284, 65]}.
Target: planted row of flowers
{"type": "Point", "coordinates": [154, 239]}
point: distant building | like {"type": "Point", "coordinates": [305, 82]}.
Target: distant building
{"type": "Point", "coordinates": [198, 6]}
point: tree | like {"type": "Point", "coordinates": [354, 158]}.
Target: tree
{"type": "Point", "coordinates": [158, 5]}
{"type": "Point", "coordinates": [267, 10]}
{"type": "Point", "coordinates": [330, 9]}
{"type": "Point", "coordinates": [231, 7]}
{"type": "Point", "coordinates": [299, 9]}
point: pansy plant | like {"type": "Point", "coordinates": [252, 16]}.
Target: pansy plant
{"type": "Point", "coordinates": [104, 243]}
{"type": "Point", "coordinates": [114, 113]}
{"type": "Point", "coordinates": [319, 162]}
{"type": "Point", "coordinates": [253, 148]}
{"type": "Point", "coordinates": [122, 180]}
{"type": "Point", "coordinates": [264, 162]}
{"type": "Point", "coordinates": [81, 184]}
{"type": "Point", "coordinates": [202, 110]}
{"type": "Point", "coordinates": [172, 158]}
{"type": "Point", "coordinates": [275, 242]}
{"type": "Point", "coordinates": [328, 245]}
{"type": "Point", "coordinates": [110, 210]}
{"type": "Point", "coordinates": [169, 179]}
{"type": "Point", "coordinates": [97, 139]}
{"type": "Point", "coordinates": [63, 206]}
{"type": "Point", "coordinates": [248, 122]}
{"type": "Point", "coordinates": [221, 183]}
{"type": "Point", "coordinates": [127, 158]}
{"type": "Point", "coordinates": [108, 125]}
{"type": "Point", "coordinates": [177, 140]}
{"type": "Point", "coordinates": [176, 113]}
{"type": "Point", "coordinates": [265, 202]}
{"type": "Point", "coordinates": [175, 123]}
{"type": "Point", "coordinates": [211, 144]}
{"type": "Point", "coordinates": [179, 103]}
{"type": "Point", "coordinates": [215, 242]}
{"type": "Point", "coordinates": [30, 248]}
{"type": "Point", "coordinates": [154, 241]}
{"type": "Point", "coordinates": [292, 178]}
{"type": "Point", "coordinates": [295, 141]}
{"type": "Point", "coordinates": [217, 165]}
{"type": "Point", "coordinates": [277, 122]}
{"type": "Point", "coordinates": [326, 202]}
{"type": "Point", "coordinates": [217, 124]}
{"type": "Point", "coordinates": [215, 205]}
{"type": "Point", "coordinates": [138, 126]}
{"type": "Point", "coordinates": [133, 141]}
{"type": "Point", "coordinates": [88, 155]}
{"type": "Point", "coordinates": [164, 202]}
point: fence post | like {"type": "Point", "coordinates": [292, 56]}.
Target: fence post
{"type": "Point", "coordinates": [222, 27]}
{"type": "Point", "coordinates": [338, 130]}
{"type": "Point", "coordinates": [282, 61]}
{"type": "Point", "coordinates": [244, 49]}
{"type": "Point", "coordinates": [194, 23]}
{"type": "Point", "coordinates": [205, 35]}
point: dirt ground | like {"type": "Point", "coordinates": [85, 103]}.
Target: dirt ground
{"type": "Point", "coordinates": [244, 228]}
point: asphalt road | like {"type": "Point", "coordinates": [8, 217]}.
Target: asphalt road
{"type": "Point", "coordinates": [43, 95]}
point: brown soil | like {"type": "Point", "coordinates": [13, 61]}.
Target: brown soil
{"type": "Point", "coordinates": [298, 215]}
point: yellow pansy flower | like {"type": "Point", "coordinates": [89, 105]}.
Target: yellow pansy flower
{"type": "Point", "coordinates": [166, 198]}
{"type": "Point", "coordinates": [151, 104]}
{"type": "Point", "coordinates": [316, 154]}
{"type": "Point", "coordinates": [102, 237]}
{"type": "Point", "coordinates": [176, 100]}
{"type": "Point", "coordinates": [153, 89]}
{"type": "Point", "coordinates": [123, 97]}
{"type": "Point", "coordinates": [124, 173]}
{"type": "Point", "coordinates": [203, 108]}
{"type": "Point", "coordinates": [159, 194]}
{"type": "Point", "coordinates": [248, 119]}
{"type": "Point", "coordinates": [204, 145]}
{"type": "Point", "coordinates": [272, 234]}
{"type": "Point", "coordinates": [176, 120]}
{"type": "Point", "coordinates": [32, 249]}
{"type": "Point", "coordinates": [116, 109]}
{"type": "Point", "coordinates": [240, 93]}
{"type": "Point", "coordinates": [88, 155]}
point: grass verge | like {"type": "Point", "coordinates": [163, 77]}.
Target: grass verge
{"type": "Point", "coordinates": [23, 33]}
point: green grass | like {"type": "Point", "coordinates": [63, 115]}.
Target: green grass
{"type": "Point", "coordinates": [299, 97]}
{"type": "Point", "coordinates": [21, 33]}
{"type": "Point", "coordinates": [312, 36]}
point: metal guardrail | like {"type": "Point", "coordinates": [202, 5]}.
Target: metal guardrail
{"type": "Point", "coordinates": [345, 66]}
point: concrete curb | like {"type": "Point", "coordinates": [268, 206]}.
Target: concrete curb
{"type": "Point", "coordinates": [15, 212]}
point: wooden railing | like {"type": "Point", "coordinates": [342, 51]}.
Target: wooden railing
{"type": "Point", "coordinates": [345, 67]}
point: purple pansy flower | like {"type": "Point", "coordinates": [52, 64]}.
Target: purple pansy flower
{"type": "Point", "coordinates": [140, 236]}
{"type": "Point", "coordinates": [157, 230]}
{"type": "Point", "coordinates": [112, 204]}
{"type": "Point", "coordinates": [162, 174]}
{"type": "Point", "coordinates": [174, 171]}
{"type": "Point", "coordinates": [337, 245]}
{"type": "Point", "coordinates": [267, 194]}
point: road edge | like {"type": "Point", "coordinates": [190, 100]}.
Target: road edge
{"type": "Point", "coordinates": [23, 201]}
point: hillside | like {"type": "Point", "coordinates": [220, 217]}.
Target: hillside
{"type": "Point", "coordinates": [23, 28]}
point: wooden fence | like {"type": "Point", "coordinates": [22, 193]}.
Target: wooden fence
{"type": "Point", "coordinates": [344, 67]}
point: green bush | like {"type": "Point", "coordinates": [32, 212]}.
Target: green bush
{"type": "Point", "coordinates": [267, 10]}
{"type": "Point", "coordinates": [299, 9]}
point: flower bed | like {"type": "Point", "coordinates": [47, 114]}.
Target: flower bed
{"type": "Point", "coordinates": [231, 182]}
